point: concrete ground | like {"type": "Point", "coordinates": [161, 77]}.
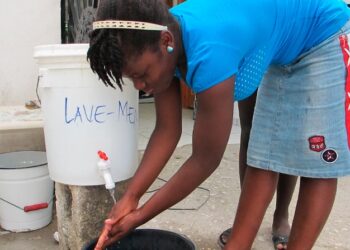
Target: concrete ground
{"type": "Point", "coordinates": [209, 209]}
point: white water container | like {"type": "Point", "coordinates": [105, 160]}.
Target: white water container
{"type": "Point", "coordinates": [82, 116]}
{"type": "Point", "coordinates": [26, 191]}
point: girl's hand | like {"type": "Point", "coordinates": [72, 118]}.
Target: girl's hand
{"type": "Point", "coordinates": [104, 235]}
{"type": "Point", "coordinates": [123, 207]}
{"type": "Point", "coordinates": [124, 226]}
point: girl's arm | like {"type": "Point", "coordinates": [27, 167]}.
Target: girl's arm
{"type": "Point", "coordinates": [162, 143]}
{"type": "Point", "coordinates": [211, 133]}
{"type": "Point", "coordinates": [160, 147]}
{"type": "Point", "coordinates": [210, 136]}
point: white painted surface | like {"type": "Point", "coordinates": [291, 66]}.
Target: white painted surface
{"type": "Point", "coordinates": [23, 25]}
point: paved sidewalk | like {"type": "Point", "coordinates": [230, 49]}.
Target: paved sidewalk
{"type": "Point", "coordinates": [214, 208]}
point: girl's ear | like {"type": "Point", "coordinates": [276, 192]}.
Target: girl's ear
{"type": "Point", "coordinates": [166, 40]}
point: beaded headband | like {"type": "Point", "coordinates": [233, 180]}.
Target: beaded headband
{"type": "Point", "coordinates": [132, 25]}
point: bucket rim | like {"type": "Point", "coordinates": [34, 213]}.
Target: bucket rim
{"type": "Point", "coordinates": [34, 165]}
{"type": "Point", "coordinates": [184, 237]}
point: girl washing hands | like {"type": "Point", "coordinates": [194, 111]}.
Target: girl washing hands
{"type": "Point", "coordinates": [295, 51]}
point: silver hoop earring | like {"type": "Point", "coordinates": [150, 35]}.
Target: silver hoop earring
{"type": "Point", "coordinates": [169, 49]}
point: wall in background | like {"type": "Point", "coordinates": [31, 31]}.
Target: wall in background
{"type": "Point", "coordinates": [24, 25]}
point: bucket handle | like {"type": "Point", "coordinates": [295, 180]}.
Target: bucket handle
{"type": "Point", "coordinates": [37, 88]}
{"type": "Point", "coordinates": [30, 208]}
{"type": "Point", "coordinates": [34, 207]}
{"type": "Point", "coordinates": [42, 73]}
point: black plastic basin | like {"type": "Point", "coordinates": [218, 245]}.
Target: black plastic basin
{"type": "Point", "coordinates": [149, 239]}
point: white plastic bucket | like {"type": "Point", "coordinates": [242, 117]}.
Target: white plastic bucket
{"type": "Point", "coordinates": [26, 191]}
{"type": "Point", "coordinates": [83, 116]}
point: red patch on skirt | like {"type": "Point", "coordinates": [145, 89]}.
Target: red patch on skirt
{"type": "Point", "coordinates": [317, 143]}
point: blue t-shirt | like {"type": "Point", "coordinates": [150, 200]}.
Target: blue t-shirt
{"type": "Point", "coordinates": [223, 38]}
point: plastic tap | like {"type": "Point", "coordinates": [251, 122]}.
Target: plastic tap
{"type": "Point", "coordinates": [104, 166]}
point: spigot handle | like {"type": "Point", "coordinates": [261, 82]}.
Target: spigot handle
{"type": "Point", "coordinates": [102, 155]}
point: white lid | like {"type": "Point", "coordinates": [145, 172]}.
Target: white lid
{"type": "Point", "coordinates": [22, 159]}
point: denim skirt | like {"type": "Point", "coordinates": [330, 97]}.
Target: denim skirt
{"type": "Point", "coordinates": [301, 123]}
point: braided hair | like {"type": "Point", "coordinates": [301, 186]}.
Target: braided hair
{"type": "Point", "coordinates": [109, 48]}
